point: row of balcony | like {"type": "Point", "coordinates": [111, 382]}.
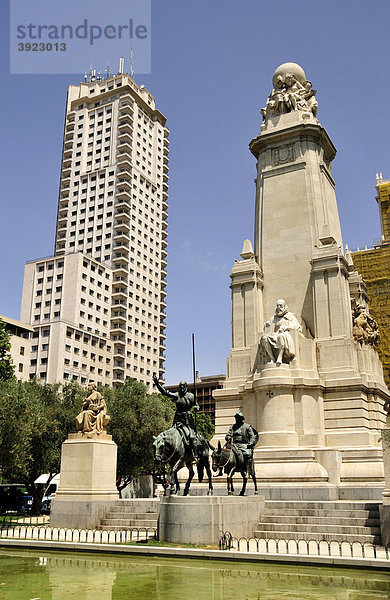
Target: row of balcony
{"type": "Point", "coordinates": [121, 225]}
{"type": "Point", "coordinates": [124, 138]}
{"type": "Point", "coordinates": [124, 160]}
{"type": "Point", "coordinates": [124, 174]}
{"type": "Point", "coordinates": [123, 214]}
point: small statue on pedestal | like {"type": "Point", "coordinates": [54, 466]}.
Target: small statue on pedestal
{"type": "Point", "coordinates": [276, 340]}
{"type": "Point", "coordinates": [93, 417]}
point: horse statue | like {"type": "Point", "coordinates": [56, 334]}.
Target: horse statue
{"type": "Point", "coordinates": [169, 448]}
{"type": "Point", "coordinates": [226, 459]}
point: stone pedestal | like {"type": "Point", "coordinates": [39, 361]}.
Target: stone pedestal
{"type": "Point", "coordinates": [87, 481]}
{"type": "Point", "coordinates": [385, 509]}
{"type": "Point", "coordinates": [200, 520]}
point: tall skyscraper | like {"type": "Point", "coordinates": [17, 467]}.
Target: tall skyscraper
{"type": "Point", "coordinates": [98, 305]}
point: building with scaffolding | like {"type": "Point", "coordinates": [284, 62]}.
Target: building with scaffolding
{"type": "Point", "coordinates": [97, 305]}
{"type": "Point", "coordinates": [373, 265]}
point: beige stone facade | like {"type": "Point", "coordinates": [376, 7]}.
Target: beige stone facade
{"type": "Point", "coordinates": [105, 284]}
{"type": "Point", "coordinates": [67, 299]}
{"type": "Point", "coordinates": [21, 337]}
{"type": "Point", "coordinates": [319, 414]}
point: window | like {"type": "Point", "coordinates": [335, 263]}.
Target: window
{"type": "Point", "coordinates": [21, 352]}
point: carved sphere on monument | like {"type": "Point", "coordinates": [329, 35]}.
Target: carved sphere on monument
{"type": "Point", "coordinates": [292, 68]}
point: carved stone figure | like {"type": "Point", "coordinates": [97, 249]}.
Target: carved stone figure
{"type": "Point", "coordinates": [291, 92]}
{"type": "Point", "coordinates": [276, 340]}
{"type": "Point", "coordinates": [183, 419]}
{"type": "Point", "coordinates": [93, 417]}
{"type": "Point", "coordinates": [365, 328]}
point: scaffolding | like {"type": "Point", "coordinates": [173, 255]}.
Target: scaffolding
{"type": "Point", "coordinates": [383, 199]}
{"type": "Point", "coordinates": [374, 266]}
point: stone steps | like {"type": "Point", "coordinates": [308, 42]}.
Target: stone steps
{"type": "Point", "coordinates": [109, 523]}
{"type": "Point", "coordinates": [340, 521]}
{"type": "Point", "coordinates": [322, 504]}
{"type": "Point", "coordinates": [147, 530]}
{"type": "Point", "coordinates": [307, 520]}
{"type": "Point", "coordinates": [134, 515]}
{"type": "Point", "coordinates": [321, 513]}
{"type": "Point", "coordinates": [138, 513]}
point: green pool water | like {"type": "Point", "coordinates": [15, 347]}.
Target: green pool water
{"type": "Point", "coordinates": [27, 575]}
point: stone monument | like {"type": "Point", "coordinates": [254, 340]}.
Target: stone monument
{"type": "Point", "coordinates": [385, 508]}
{"type": "Point", "coordinates": [88, 469]}
{"type": "Point", "coordinates": [306, 380]}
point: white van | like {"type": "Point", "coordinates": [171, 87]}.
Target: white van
{"type": "Point", "coordinates": [50, 490]}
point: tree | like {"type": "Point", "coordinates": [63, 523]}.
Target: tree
{"type": "Point", "coordinates": [6, 366]}
{"type": "Point", "coordinates": [205, 426]}
{"type": "Point", "coordinates": [136, 417]}
{"type": "Point", "coordinates": [35, 419]}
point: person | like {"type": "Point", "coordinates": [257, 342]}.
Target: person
{"type": "Point", "coordinates": [184, 418]}
{"type": "Point", "coordinates": [276, 340]}
{"type": "Point", "coordinates": [93, 417]}
{"type": "Point", "coordinates": [242, 438]}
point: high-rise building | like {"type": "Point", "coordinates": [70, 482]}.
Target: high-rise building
{"type": "Point", "coordinates": [373, 265]}
{"type": "Point", "coordinates": [98, 305]}
{"type": "Point", "coordinates": [20, 346]}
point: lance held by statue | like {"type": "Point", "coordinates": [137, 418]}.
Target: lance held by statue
{"type": "Point", "coordinates": [184, 419]}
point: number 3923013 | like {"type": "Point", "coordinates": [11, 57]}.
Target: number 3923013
{"type": "Point", "coordinates": [41, 47]}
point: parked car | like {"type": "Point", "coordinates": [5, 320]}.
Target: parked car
{"type": "Point", "coordinates": [14, 498]}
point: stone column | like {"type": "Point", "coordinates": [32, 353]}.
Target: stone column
{"type": "Point", "coordinates": [247, 311]}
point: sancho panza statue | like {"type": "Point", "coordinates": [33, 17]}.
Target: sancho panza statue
{"type": "Point", "coordinates": [242, 437]}
{"type": "Point", "coordinates": [277, 341]}
{"type": "Point", "coordinates": [93, 417]}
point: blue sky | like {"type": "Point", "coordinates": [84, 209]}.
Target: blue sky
{"type": "Point", "coordinates": [212, 65]}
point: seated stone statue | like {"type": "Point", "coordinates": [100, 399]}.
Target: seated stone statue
{"type": "Point", "coordinates": [93, 417]}
{"type": "Point", "coordinates": [277, 341]}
